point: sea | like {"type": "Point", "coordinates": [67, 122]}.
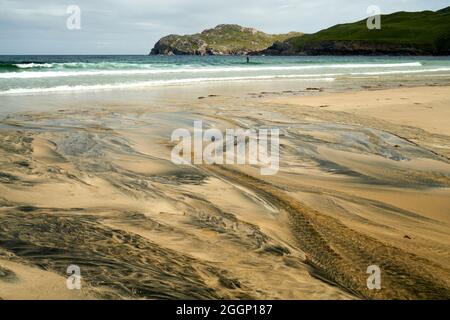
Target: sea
{"type": "Point", "coordinates": [25, 75]}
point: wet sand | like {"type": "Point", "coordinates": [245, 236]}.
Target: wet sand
{"type": "Point", "coordinates": [364, 180]}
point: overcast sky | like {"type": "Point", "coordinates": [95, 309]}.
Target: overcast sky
{"type": "Point", "coordinates": [133, 26]}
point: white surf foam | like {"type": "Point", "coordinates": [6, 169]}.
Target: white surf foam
{"type": "Point", "coordinates": [375, 73]}
{"type": "Point", "coordinates": [142, 84]}
{"type": "Point", "coordinates": [33, 65]}
{"type": "Point", "coordinates": [55, 74]}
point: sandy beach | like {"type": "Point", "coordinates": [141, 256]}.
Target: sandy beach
{"type": "Point", "coordinates": [364, 180]}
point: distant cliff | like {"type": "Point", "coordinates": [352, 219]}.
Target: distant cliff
{"type": "Point", "coordinates": [401, 33]}
{"type": "Point", "coordinates": [225, 39]}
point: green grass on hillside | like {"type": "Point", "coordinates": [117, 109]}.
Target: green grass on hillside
{"type": "Point", "coordinates": [237, 38]}
{"type": "Point", "coordinates": [226, 38]}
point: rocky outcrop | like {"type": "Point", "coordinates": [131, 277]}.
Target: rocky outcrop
{"type": "Point", "coordinates": [224, 39]}
{"type": "Point", "coordinates": [330, 47]}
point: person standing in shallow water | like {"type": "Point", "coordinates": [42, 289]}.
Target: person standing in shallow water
{"type": "Point", "coordinates": [248, 59]}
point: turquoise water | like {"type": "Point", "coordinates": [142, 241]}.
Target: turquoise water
{"type": "Point", "coordinates": [41, 74]}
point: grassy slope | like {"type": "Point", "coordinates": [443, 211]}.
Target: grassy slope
{"type": "Point", "coordinates": [425, 30]}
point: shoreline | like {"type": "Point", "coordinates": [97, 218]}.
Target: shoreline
{"type": "Point", "coordinates": [165, 96]}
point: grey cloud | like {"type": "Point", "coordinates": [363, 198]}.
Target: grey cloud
{"type": "Point", "coordinates": [132, 26]}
